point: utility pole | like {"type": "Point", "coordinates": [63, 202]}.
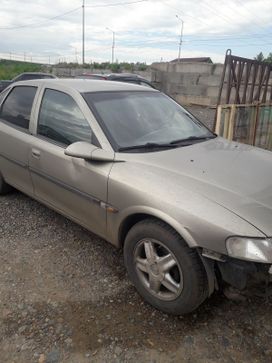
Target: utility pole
{"type": "Point", "coordinates": [181, 36]}
{"type": "Point", "coordinates": [113, 44]}
{"type": "Point", "coordinates": [83, 31]}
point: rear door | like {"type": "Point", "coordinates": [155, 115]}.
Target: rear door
{"type": "Point", "coordinates": [15, 139]}
{"type": "Point", "coordinates": [75, 187]}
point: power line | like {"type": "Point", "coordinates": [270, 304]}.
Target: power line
{"type": "Point", "coordinates": [182, 12]}
{"type": "Point", "coordinates": [115, 4]}
{"type": "Point", "coordinates": [33, 25]}
{"type": "Point", "coordinates": [240, 45]}
{"type": "Point", "coordinates": [247, 10]}
{"type": "Point", "coordinates": [238, 5]}
{"type": "Point", "coordinates": [217, 13]}
{"type": "Point", "coordinates": [199, 19]}
{"type": "Point", "coordinates": [191, 39]}
{"type": "Point", "coordinates": [44, 22]}
{"type": "Point", "coordinates": [226, 38]}
{"type": "Point", "coordinates": [250, 36]}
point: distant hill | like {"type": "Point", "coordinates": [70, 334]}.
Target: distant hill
{"type": "Point", "coordinates": [9, 68]}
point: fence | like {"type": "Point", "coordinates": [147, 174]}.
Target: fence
{"type": "Point", "coordinates": [249, 124]}
{"type": "Point", "coordinates": [245, 81]}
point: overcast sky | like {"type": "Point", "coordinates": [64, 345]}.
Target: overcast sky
{"type": "Point", "coordinates": [146, 30]}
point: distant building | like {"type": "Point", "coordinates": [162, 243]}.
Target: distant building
{"type": "Point", "coordinates": [193, 60]}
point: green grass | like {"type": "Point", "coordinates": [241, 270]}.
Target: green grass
{"type": "Point", "coordinates": [9, 69]}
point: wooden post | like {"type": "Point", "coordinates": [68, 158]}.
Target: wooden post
{"type": "Point", "coordinates": [218, 120]}
{"type": "Point", "coordinates": [269, 131]}
{"type": "Point", "coordinates": [231, 122]}
{"type": "Point", "coordinates": [226, 123]}
{"type": "Point", "coordinates": [255, 124]}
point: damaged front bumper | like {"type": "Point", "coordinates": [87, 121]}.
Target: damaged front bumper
{"type": "Point", "coordinates": [238, 273]}
{"type": "Point", "coordinates": [244, 274]}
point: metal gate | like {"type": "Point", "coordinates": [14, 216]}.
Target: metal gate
{"type": "Point", "coordinates": [245, 81]}
{"type": "Point", "coordinates": [244, 108]}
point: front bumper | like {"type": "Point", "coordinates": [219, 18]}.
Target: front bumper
{"type": "Point", "coordinates": [244, 274]}
{"type": "Point", "coordinates": [240, 274]}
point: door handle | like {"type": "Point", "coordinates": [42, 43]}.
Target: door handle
{"type": "Point", "coordinates": [36, 153]}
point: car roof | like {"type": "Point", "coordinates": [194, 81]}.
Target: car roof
{"type": "Point", "coordinates": [86, 85]}
{"type": "Point", "coordinates": [121, 75]}
{"type": "Point", "coordinates": [36, 73]}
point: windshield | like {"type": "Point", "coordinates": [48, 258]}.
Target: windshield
{"type": "Point", "coordinates": [132, 119]}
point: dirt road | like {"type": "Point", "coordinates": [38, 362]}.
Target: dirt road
{"type": "Point", "coordinates": [65, 297]}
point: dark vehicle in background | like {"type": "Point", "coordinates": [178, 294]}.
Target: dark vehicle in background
{"type": "Point", "coordinates": [119, 77]}
{"type": "Point", "coordinates": [25, 77]}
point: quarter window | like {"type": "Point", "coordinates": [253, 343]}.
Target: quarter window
{"type": "Point", "coordinates": [16, 109]}
{"type": "Point", "coordinates": [61, 120]}
{"type": "Point", "coordinates": [3, 95]}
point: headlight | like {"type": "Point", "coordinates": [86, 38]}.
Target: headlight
{"type": "Point", "coordinates": [251, 249]}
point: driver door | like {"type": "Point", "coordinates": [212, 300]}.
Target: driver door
{"type": "Point", "coordinates": [75, 187]}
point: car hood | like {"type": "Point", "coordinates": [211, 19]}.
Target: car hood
{"type": "Point", "coordinates": [235, 176]}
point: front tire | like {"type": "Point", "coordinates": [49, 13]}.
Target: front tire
{"type": "Point", "coordinates": [165, 271]}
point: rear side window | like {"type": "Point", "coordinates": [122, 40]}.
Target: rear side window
{"type": "Point", "coordinates": [61, 119]}
{"type": "Point", "coordinates": [16, 109]}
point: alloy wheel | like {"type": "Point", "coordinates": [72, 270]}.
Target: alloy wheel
{"type": "Point", "coordinates": [158, 269]}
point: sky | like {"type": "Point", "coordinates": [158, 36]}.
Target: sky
{"type": "Point", "coordinates": [145, 30]}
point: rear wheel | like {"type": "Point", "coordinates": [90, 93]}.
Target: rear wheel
{"type": "Point", "coordinates": [166, 272]}
{"type": "Point", "coordinates": [4, 187]}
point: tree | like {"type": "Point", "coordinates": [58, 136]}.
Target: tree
{"type": "Point", "coordinates": [268, 59]}
{"type": "Point", "coordinates": [259, 57]}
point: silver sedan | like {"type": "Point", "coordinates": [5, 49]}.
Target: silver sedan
{"type": "Point", "coordinates": [191, 210]}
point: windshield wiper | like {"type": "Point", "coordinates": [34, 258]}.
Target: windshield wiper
{"type": "Point", "coordinates": [147, 146]}
{"type": "Point", "coordinates": [172, 144]}
{"type": "Point", "coordinates": [192, 138]}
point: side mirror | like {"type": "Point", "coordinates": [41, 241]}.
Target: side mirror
{"type": "Point", "coordinates": [84, 150]}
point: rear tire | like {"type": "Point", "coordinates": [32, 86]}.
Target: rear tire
{"type": "Point", "coordinates": [4, 187]}
{"type": "Point", "coordinates": [165, 271]}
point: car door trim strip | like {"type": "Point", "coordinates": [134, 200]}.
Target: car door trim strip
{"type": "Point", "coordinates": [17, 162]}
{"type": "Point", "coordinates": [91, 198]}
{"type": "Point", "coordinates": [65, 186]}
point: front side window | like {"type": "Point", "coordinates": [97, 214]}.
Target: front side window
{"type": "Point", "coordinates": [61, 120]}
{"type": "Point", "coordinates": [132, 119]}
{"type": "Point", "coordinates": [16, 109]}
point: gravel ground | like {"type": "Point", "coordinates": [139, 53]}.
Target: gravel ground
{"type": "Point", "coordinates": [65, 297]}
{"type": "Point", "coordinates": [204, 114]}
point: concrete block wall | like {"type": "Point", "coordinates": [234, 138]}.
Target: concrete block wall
{"type": "Point", "coordinates": [188, 83]}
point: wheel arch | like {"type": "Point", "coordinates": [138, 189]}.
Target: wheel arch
{"type": "Point", "coordinates": [130, 220]}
